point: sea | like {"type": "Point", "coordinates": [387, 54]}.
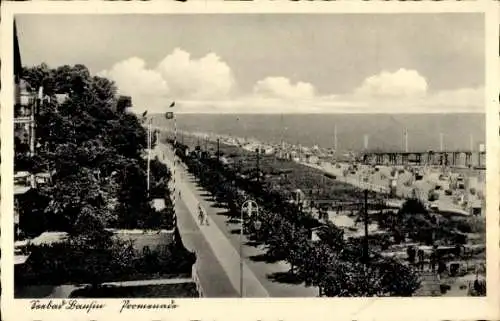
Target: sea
{"type": "Point", "coordinates": [353, 131]}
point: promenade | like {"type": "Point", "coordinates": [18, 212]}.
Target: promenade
{"type": "Point", "coordinates": [260, 279]}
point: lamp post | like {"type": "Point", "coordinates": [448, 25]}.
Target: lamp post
{"type": "Point", "coordinates": [250, 207]}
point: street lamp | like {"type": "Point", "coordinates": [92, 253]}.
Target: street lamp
{"type": "Point", "coordinates": [250, 207]}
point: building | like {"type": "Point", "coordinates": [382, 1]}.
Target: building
{"type": "Point", "coordinates": [24, 103]}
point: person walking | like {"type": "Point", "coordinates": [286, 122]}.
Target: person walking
{"type": "Point", "coordinates": [205, 216]}
{"type": "Point", "coordinates": [200, 214]}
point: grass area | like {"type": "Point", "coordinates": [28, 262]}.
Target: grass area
{"type": "Point", "coordinates": [183, 290]}
{"type": "Point", "coordinates": [283, 174]}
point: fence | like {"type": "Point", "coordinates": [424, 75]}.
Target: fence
{"type": "Point", "coordinates": [196, 280]}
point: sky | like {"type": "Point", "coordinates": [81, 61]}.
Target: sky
{"type": "Point", "coordinates": [248, 63]}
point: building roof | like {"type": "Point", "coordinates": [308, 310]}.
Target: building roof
{"type": "Point", "coordinates": [477, 203]}
{"type": "Point", "coordinates": [21, 174]}
{"type": "Point", "coordinates": [158, 204]}
{"type": "Point", "coordinates": [20, 190]}
{"type": "Point", "coordinates": [20, 259]}
{"type": "Point", "coordinates": [49, 238]}
{"type": "Point", "coordinates": [444, 209]}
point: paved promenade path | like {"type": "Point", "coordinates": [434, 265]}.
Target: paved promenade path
{"type": "Point", "coordinates": [211, 275]}
{"type": "Point", "coordinates": [226, 254]}
{"type": "Point", "coordinates": [261, 279]}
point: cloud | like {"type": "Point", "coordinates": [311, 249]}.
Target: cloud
{"type": "Point", "coordinates": [458, 100]}
{"type": "Point", "coordinates": [402, 83]}
{"type": "Point", "coordinates": [133, 78]}
{"type": "Point", "coordinates": [281, 87]}
{"type": "Point", "coordinates": [206, 78]}
{"type": "Point", "coordinates": [207, 85]}
{"type": "Point", "coordinates": [177, 76]}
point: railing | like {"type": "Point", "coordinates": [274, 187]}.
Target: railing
{"type": "Point", "coordinates": [196, 280]}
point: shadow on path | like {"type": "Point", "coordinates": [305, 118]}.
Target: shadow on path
{"type": "Point", "coordinates": [230, 217]}
{"type": "Point", "coordinates": [253, 243]}
{"type": "Point", "coordinates": [263, 258]}
{"type": "Point", "coordinates": [206, 195]}
{"type": "Point", "coordinates": [284, 277]}
{"type": "Point", "coordinates": [236, 231]}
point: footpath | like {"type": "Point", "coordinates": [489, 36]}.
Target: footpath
{"type": "Point", "coordinates": [211, 275]}
{"type": "Point", "coordinates": [261, 278]}
{"type": "Point", "coordinates": [227, 256]}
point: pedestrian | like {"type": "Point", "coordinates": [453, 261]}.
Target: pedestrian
{"type": "Point", "coordinates": [200, 214]}
{"type": "Point", "coordinates": [179, 194]}
{"type": "Point", "coordinates": [205, 215]}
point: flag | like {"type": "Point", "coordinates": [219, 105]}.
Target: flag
{"type": "Point", "coordinates": [169, 115]}
{"type": "Point", "coordinates": [172, 104]}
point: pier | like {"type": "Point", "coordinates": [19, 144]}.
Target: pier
{"type": "Point", "coordinates": [441, 158]}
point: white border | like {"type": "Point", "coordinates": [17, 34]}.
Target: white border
{"type": "Point", "coordinates": [266, 309]}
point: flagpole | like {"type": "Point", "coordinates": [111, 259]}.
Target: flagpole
{"type": "Point", "coordinates": [149, 156]}
{"type": "Point", "coordinates": [171, 115]}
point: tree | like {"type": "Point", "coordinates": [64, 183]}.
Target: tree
{"type": "Point", "coordinates": [97, 257]}
{"type": "Point", "coordinates": [413, 206]}
{"type": "Point", "coordinates": [75, 195]}
{"type": "Point", "coordinates": [283, 239]}
{"type": "Point", "coordinates": [383, 278]}
{"type": "Point", "coordinates": [297, 252]}
{"type": "Point", "coordinates": [316, 266]}
{"type": "Point", "coordinates": [160, 176]}
{"type": "Point", "coordinates": [332, 236]}
{"type": "Point", "coordinates": [348, 279]}
{"type": "Point", "coordinates": [94, 147]}
{"type": "Point", "coordinates": [398, 279]}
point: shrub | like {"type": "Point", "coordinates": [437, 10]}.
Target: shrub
{"type": "Point", "coordinates": [79, 262]}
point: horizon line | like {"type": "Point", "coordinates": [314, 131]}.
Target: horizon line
{"type": "Point", "coordinates": [316, 113]}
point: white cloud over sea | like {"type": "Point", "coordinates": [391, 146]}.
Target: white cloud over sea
{"type": "Point", "coordinates": [401, 83]}
{"type": "Point", "coordinates": [281, 87]}
{"type": "Point", "coordinates": [177, 76]}
{"type": "Point", "coordinates": [208, 85]}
